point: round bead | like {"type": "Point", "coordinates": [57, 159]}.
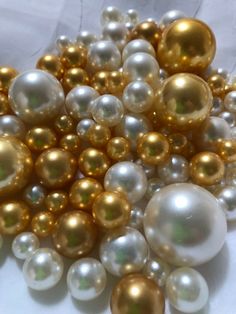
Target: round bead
{"type": "Point", "coordinates": [52, 64]}
{"type": "Point", "coordinates": [136, 218]}
{"type": "Point", "coordinates": [12, 126]}
{"type": "Point", "coordinates": [217, 85]}
{"type": "Point", "coordinates": [63, 42]}
{"type": "Point", "coordinates": [111, 14]}
{"type": "Point", "coordinates": [56, 201]}
{"type": "Point", "coordinates": [118, 148]}
{"type": "Point", "coordinates": [229, 117]}
{"type": "Point", "coordinates": [24, 245]}
{"type": "Point", "coordinates": [137, 45]}
{"type": "Point", "coordinates": [7, 75]}
{"type": "Point", "coordinates": [227, 198]}
{"type": "Point", "coordinates": [42, 223]}
{"type": "Point", "coordinates": [74, 56]}
{"type": "Point", "coordinates": [64, 124]}
{"type": "Point", "coordinates": [4, 104]}
{"type": "Point", "coordinates": [154, 185]}
{"type": "Point", "coordinates": [34, 195]}
{"type": "Point", "coordinates": [85, 38]}
{"type": "Point", "coordinates": [115, 32]}
{"type": "Point", "coordinates": [227, 150]}
{"type": "Point", "coordinates": [230, 101]}
{"type": "Point", "coordinates": [82, 128]}
{"type": "Point", "coordinates": [157, 270]}
{"type": "Point", "coordinates": [39, 139]}
{"type": "Point", "coordinates": [100, 81]}
{"type": "Point", "coordinates": [147, 30]}
{"type": "Point", "coordinates": [171, 16]}
{"type": "Point", "coordinates": [99, 135]}
{"type": "Point", "coordinates": [71, 143]}
{"type": "Point", "coordinates": [74, 77]}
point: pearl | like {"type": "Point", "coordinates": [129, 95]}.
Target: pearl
{"type": "Point", "coordinates": [63, 42]}
{"type": "Point", "coordinates": [123, 251]}
{"type": "Point", "coordinates": [42, 223]}
{"type": "Point", "coordinates": [7, 75]}
{"type": "Point", "coordinates": [187, 290]}
{"type": "Point", "coordinates": [136, 218]}
{"type": "Point", "coordinates": [157, 270]}
{"type": "Point", "coordinates": [43, 269]}
{"type": "Point", "coordinates": [39, 139]}
{"type": "Point", "coordinates": [86, 279]}
{"type": "Point", "coordinates": [227, 199]}
{"type": "Point", "coordinates": [171, 16]}
{"type": "Point", "coordinates": [190, 223]}
{"type": "Point", "coordinates": [51, 64]}
{"type": "Point", "coordinates": [70, 143]}
{"type": "Point", "coordinates": [83, 127]}
{"type": "Point", "coordinates": [74, 56]}
{"type": "Point", "coordinates": [118, 148]}
{"type": "Point", "coordinates": [149, 170]}
{"type": "Point", "coordinates": [74, 77]}
{"type": "Point", "coordinates": [116, 32]}
{"type": "Point", "coordinates": [111, 14]}
{"type": "Point", "coordinates": [56, 201]}
{"type": "Point", "coordinates": [230, 102]}
{"type": "Point", "coordinates": [217, 85]}
{"type": "Point", "coordinates": [163, 75]}
{"type": "Point", "coordinates": [148, 30]}
{"type": "Point", "coordinates": [4, 104]}
{"type": "Point", "coordinates": [64, 124]}
{"type": "Point", "coordinates": [229, 117]}
{"type": "Point", "coordinates": [128, 178]}
{"type": "Point", "coordinates": [154, 185]}
{"type": "Point", "coordinates": [129, 26]}
{"type": "Point", "coordinates": [137, 45]}
{"type": "Point", "coordinates": [132, 16]}
{"type": "Point", "coordinates": [36, 96]}
{"type": "Point", "coordinates": [12, 126]}
{"type": "Point", "coordinates": [86, 38]}
{"type": "Point", "coordinates": [227, 150]}
{"type": "Point", "coordinates": [24, 245]}
{"type": "Point", "coordinates": [99, 135]}
{"type": "Point", "coordinates": [34, 195]}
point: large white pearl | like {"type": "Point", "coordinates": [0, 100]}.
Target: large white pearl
{"type": "Point", "coordinates": [24, 245]}
{"type": "Point", "coordinates": [43, 269]}
{"type": "Point", "coordinates": [187, 290]}
{"type": "Point", "coordinates": [184, 224]}
{"type": "Point", "coordinates": [86, 38]}
{"type": "Point", "coordinates": [116, 32]}
{"type": "Point", "coordinates": [123, 251]}
{"type": "Point", "coordinates": [158, 270]}
{"type": "Point", "coordinates": [82, 128]}
{"type": "Point", "coordinates": [36, 96]}
{"type": "Point", "coordinates": [171, 16]}
{"type": "Point", "coordinates": [86, 279]}
{"type": "Point", "coordinates": [227, 199]}
{"type": "Point", "coordinates": [12, 126]}
{"type": "Point", "coordinates": [127, 178]}
{"type": "Point", "coordinates": [111, 14]}
{"type": "Point", "coordinates": [137, 45]}
{"type": "Point", "coordinates": [230, 101]}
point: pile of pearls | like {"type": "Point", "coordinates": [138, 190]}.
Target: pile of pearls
{"type": "Point", "coordinates": [107, 124]}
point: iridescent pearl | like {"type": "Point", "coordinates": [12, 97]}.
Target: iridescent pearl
{"type": "Point", "coordinates": [171, 16]}
{"type": "Point", "coordinates": [136, 218]}
{"type": "Point", "coordinates": [227, 199]}
{"type": "Point", "coordinates": [12, 126]}
{"type": "Point", "coordinates": [154, 185]}
{"type": "Point", "coordinates": [229, 117]}
{"type": "Point", "coordinates": [111, 14]}
{"type": "Point", "coordinates": [83, 127]}
{"type": "Point", "coordinates": [34, 195]}
{"type": "Point", "coordinates": [137, 45]}
{"type": "Point", "coordinates": [230, 101]}
{"type": "Point", "coordinates": [24, 245]}
{"type": "Point", "coordinates": [158, 270]}
{"type": "Point", "coordinates": [116, 32]}
{"type": "Point", "coordinates": [86, 38]}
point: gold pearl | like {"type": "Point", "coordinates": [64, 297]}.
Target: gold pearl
{"type": "Point", "coordinates": [153, 148]}
{"type": "Point", "coordinates": [15, 165]}
{"type": "Point", "coordinates": [64, 124]}
{"type": "Point", "coordinates": [93, 162]}
{"type": "Point", "coordinates": [217, 84]}
{"type": "Point", "coordinates": [40, 138]}
{"type": "Point", "coordinates": [115, 82]}
{"type": "Point", "coordinates": [186, 45]}
{"type": "Point", "coordinates": [74, 234]}
{"type": "Point", "coordinates": [227, 150]}
{"type": "Point", "coordinates": [118, 148]}
{"type": "Point", "coordinates": [74, 56]}
{"type": "Point", "coordinates": [42, 224]}
{"type": "Point", "coordinates": [14, 217]}
{"type": "Point", "coordinates": [7, 74]}
{"type": "Point", "coordinates": [74, 77]}
{"type": "Point", "coordinates": [4, 105]}
{"type": "Point", "coordinates": [178, 143]}
{"type": "Point", "coordinates": [55, 167]}
{"type": "Point", "coordinates": [100, 82]}
{"type": "Point", "coordinates": [147, 30]}
{"type": "Point", "coordinates": [52, 64]}
{"type": "Point", "coordinates": [136, 293]}
{"type": "Point", "coordinates": [111, 210]}
{"type": "Point", "coordinates": [70, 142]}
{"type": "Point", "coordinates": [206, 168]}
{"type": "Point", "coordinates": [99, 135]}
{"type": "Point", "coordinates": [56, 201]}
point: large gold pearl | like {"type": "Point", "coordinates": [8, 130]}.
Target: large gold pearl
{"type": "Point", "coordinates": [14, 217]}
{"type": "Point", "coordinates": [52, 64]}
{"type": "Point", "coordinates": [136, 293]}
{"type": "Point", "coordinates": [206, 168]}
{"type": "Point", "coordinates": [70, 142]}
{"type": "Point", "coordinates": [118, 148]}
{"type": "Point", "coordinates": [40, 138]}
{"type": "Point", "coordinates": [74, 234]}
{"type": "Point", "coordinates": [100, 82]}
{"type": "Point", "coordinates": [7, 74]}
{"type": "Point", "coordinates": [56, 201]}
{"type": "Point", "coordinates": [4, 105]}
{"type": "Point", "coordinates": [15, 165]}
{"type": "Point", "coordinates": [99, 135]}
{"type": "Point", "coordinates": [74, 56]}
{"type": "Point", "coordinates": [64, 124]}
{"type": "Point", "coordinates": [55, 167]}
{"type": "Point", "coordinates": [226, 149]}
{"type": "Point", "coordinates": [186, 45]}
{"type": "Point", "coordinates": [42, 223]}
{"type": "Point", "coordinates": [111, 210]}
{"type": "Point", "coordinates": [184, 101]}
{"type": "Point", "coordinates": [217, 84]}
{"type": "Point", "coordinates": [153, 148]}
{"type": "Point", "coordinates": [93, 162]}
{"type": "Point", "coordinates": [147, 30]}
{"type": "Point", "coordinates": [74, 77]}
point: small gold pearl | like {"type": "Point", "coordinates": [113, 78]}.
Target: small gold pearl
{"type": "Point", "coordinates": [40, 138]}
{"type": "Point", "coordinates": [7, 74]}
{"type": "Point", "coordinates": [52, 64]}
{"type": "Point", "coordinates": [99, 135]}
{"type": "Point", "coordinates": [42, 224]}
{"type": "Point", "coordinates": [74, 56]}
{"type": "Point", "coordinates": [118, 148]}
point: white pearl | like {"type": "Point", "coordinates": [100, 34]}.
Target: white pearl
{"type": "Point", "coordinates": [230, 101]}
{"type": "Point", "coordinates": [230, 176]}
{"type": "Point", "coordinates": [132, 16]}
{"type": "Point", "coordinates": [63, 42]}
{"type": "Point", "coordinates": [158, 270]}
{"type": "Point", "coordinates": [187, 290]}
{"type": "Point", "coordinates": [12, 126]}
{"type": "Point", "coordinates": [136, 218]}
{"type": "Point", "coordinates": [36, 96]}
{"type": "Point", "coordinates": [154, 185]}
{"type": "Point", "coordinates": [171, 16]}
{"type": "Point", "coordinates": [227, 199]}
{"type": "Point", "coordinates": [86, 38]}
{"type": "Point", "coordinates": [229, 117]}
{"type": "Point", "coordinates": [217, 106]}
{"type": "Point", "coordinates": [163, 75]}
{"type": "Point", "coordinates": [128, 178]}
{"type": "Point", "coordinates": [129, 26]}
{"type": "Point", "coordinates": [43, 269]}
{"type": "Point", "coordinates": [184, 224]}
{"type": "Point", "coordinates": [86, 279]}
{"type": "Point", "coordinates": [34, 195]}
{"type": "Point", "coordinates": [117, 33]}
{"type": "Point", "coordinates": [24, 245]}
{"type": "Point", "coordinates": [137, 45]}
{"type": "Point", "coordinates": [123, 251]}
{"type": "Point", "coordinates": [82, 128]}
{"type": "Point", "coordinates": [111, 14]}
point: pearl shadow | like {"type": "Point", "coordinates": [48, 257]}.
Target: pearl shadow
{"type": "Point", "coordinates": [205, 310]}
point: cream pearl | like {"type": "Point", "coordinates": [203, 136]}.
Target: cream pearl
{"type": "Point", "coordinates": [229, 117]}
{"type": "Point", "coordinates": [136, 218]}
{"type": "Point", "coordinates": [111, 14]}
{"type": "Point", "coordinates": [123, 251]}
{"type": "Point", "coordinates": [230, 101]}
{"type": "Point", "coordinates": [226, 196]}
{"type": "Point", "coordinates": [86, 279]}
{"type": "Point", "coordinates": [184, 224]}
{"type": "Point", "coordinates": [34, 195]}
{"type": "Point", "coordinates": [63, 42]}
{"type": "Point", "coordinates": [137, 45]}
{"type": "Point", "coordinates": [158, 270]}
{"type": "Point", "coordinates": [12, 126]}
{"type": "Point", "coordinates": [24, 245]}
{"type": "Point", "coordinates": [132, 16]}
{"type": "Point", "coordinates": [86, 38]}
{"type": "Point", "coordinates": [116, 32]}
{"type": "Point", "coordinates": [187, 290]}
{"type": "Point", "coordinates": [127, 178]}
{"type": "Point", "coordinates": [43, 269]}
{"type": "Point", "coordinates": [82, 128]}
{"type": "Point", "coordinates": [171, 16]}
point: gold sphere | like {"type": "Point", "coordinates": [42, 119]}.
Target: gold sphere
{"type": "Point", "coordinates": [100, 82]}
{"type": "Point", "coordinates": [226, 149]}
{"type": "Point", "coordinates": [52, 64]}
{"type": "Point", "coordinates": [93, 162]}
{"type": "Point", "coordinates": [14, 217]}
{"type": "Point", "coordinates": [186, 45]}
{"type": "Point", "coordinates": [74, 234]}
{"type": "Point", "coordinates": [184, 101]}
{"type": "Point", "coordinates": [64, 124]}
{"type": "Point", "coordinates": [147, 30]}
{"type": "Point", "coordinates": [206, 168]}
{"type": "Point", "coordinates": [217, 85]}
{"type": "Point", "coordinates": [15, 165]}
{"type": "Point", "coordinates": [4, 105]}
{"type": "Point", "coordinates": [40, 138]}
{"type": "Point", "coordinates": [56, 201]}
{"type": "Point", "coordinates": [55, 167]}
{"type": "Point", "coordinates": [70, 142]}
{"type": "Point", "coordinates": [111, 210]}
{"type": "Point", "coordinates": [83, 193]}
{"type": "Point", "coordinates": [42, 224]}
{"type": "Point", "coordinates": [74, 77]}
{"type": "Point", "coordinates": [115, 82]}
{"type": "Point", "coordinates": [74, 56]}
{"type": "Point", "coordinates": [7, 74]}
{"type": "Point", "coordinates": [118, 148]}
{"type": "Point", "coordinates": [136, 293]}
{"type": "Point", "coordinates": [178, 143]}
{"type": "Point", "coordinates": [153, 148]}
{"type": "Point", "coordinates": [99, 135]}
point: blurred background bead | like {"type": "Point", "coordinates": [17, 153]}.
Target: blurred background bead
{"type": "Point", "coordinates": [158, 270]}
{"type": "Point", "coordinates": [229, 117]}
{"type": "Point", "coordinates": [4, 104]}
{"type": "Point", "coordinates": [24, 245]}
{"type": "Point", "coordinates": [175, 169]}
{"type": "Point", "coordinates": [64, 124]}
{"type": "Point", "coordinates": [132, 16]}
{"type": "Point", "coordinates": [137, 45]}
{"type": "Point", "coordinates": [42, 223]}
{"type": "Point", "coordinates": [147, 30]}
{"type": "Point", "coordinates": [118, 148]}
{"type": "Point", "coordinates": [99, 135]}
{"type": "Point", "coordinates": [111, 14]}
{"type": "Point", "coordinates": [52, 64]}
{"type": "Point", "coordinates": [115, 32]}
{"type": "Point", "coordinates": [149, 170]}
{"type": "Point", "coordinates": [217, 106]}
{"type": "Point", "coordinates": [83, 127]}
{"type": "Point", "coordinates": [85, 38]}
{"type": "Point", "coordinates": [71, 143]}
{"type": "Point", "coordinates": [163, 75]}
{"type": "Point", "coordinates": [74, 77]}
{"type": "Point", "coordinates": [7, 75]}
{"type": "Point", "coordinates": [34, 195]}
{"type": "Point", "coordinates": [100, 82]}
{"type": "Point", "coordinates": [74, 56]}
{"type": "Point", "coordinates": [115, 82]}
{"type": "Point", "coordinates": [12, 126]}
{"type": "Point", "coordinates": [217, 85]}
{"type": "Point", "coordinates": [233, 133]}
{"type": "Point", "coordinates": [56, 201]}
{"type": "Point", "coordinates": [227, 198]}
{"type": "Point", "coordinates": [178, 143]}
{"type": "Point", "coordinates": [171, 16]}
{"type": "Point", "coordinates": [129, 26]}
{"type": "Point", "coordinates": [230, 101]}
{"type": "Point", "coordinates": [227, 150]}
{"type": "Point", "coordinates": [136, 218]}
{"type": "Point", "coordinates": [220, 71]}
{"type": "Point", "coordinates": [63, 42]}
{"type": "Point", "coordinates": [154, 185]}
{"type": "Point", "coordinates": [40, 138]}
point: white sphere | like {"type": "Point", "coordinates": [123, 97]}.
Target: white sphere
{"type": "Point", "coordinates": [229, 117]}
{"type": "Point", "coordinates": [230, 101]}
{"type": "Point", "coordinates": [226, 196]}
{"type": "Point", "coordinates": [171, 16]}
{"type": "Point", "coordinates": [136, 218]}
{"type": "Point", "coordinates": [82, 128]}
{"type": "Point", "coordinates": [86, 38]}
{"type": "Point", "coordinates": [116, 32]}
{"type": "Point", "coordinates": [111, 14]}
{"type": "Point", "coordinates": [12, 126]}
{"type": "Point", "coordinates": [132, 16]}
{"type": "Point", "coordinates": [137, 45]}
{"type": "Point", "coordinates": [154, 185]}
{"type": "Point", "coordinates": [158, 270]}
{"type": "Point", "coordinates": [63, 42]}
{"type": "Point", "coordinates": [24, 245]}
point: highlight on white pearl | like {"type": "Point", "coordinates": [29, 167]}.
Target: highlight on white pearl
{"type": "Point", "coordinates": [123, 251]}
{"type": "Point", "coordinates": [137, 45]}
{"type": "Point", "coordinates": [187, 290]}
{"type": "Point", "coordinates": [86, 279]}
{"type": "Point", "coordinates": [43, 269]}
{"type": "Point", "coordinates": [83, 127]}
{"type": "Point", "coordinates": [24, 245]}
{"type": "Point", "coordinates": [111, 14]}
{"type": "Point", "coordinates": [86, 38]}
{"type": "Point", "coordinates": [226, 196]}
{"type": "Point", "coordinates": [184, 224]}
{"type": "Point", "coordinates": [158, 270]}
{"type": "Point", "coordinates": [230, 101]}
{"type": "Point", "coordinates": [117, 33]}
{"type": "Point", "coordinates": [171, 16]}
{"type": "Point", "coordinates": [12, 126]}
{"type": "Point", "coordinates": [136, 218]}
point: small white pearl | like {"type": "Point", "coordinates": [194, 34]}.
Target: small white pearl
{"type": "Point", "coordinates": [12, 126]}
{"type": "Point", "coordinates": [63, 42]}
{"type": "Point", "coordinates": [158, 270]}
{"type": "Point", "coordinates": [229, 117]}
{"type": "Point", "coordinates": [154, 185]}
{"type": "Point", "coordinates": [136, 218]}
{"type": "Point", "coordinates": [34, 195]}
{"type": "Point", "coordinates": [132, 16]}
{"type": "Point", "coordinates": [24, 245]}
{"type": "Point", "coordinates": [111, 14]}
{"type": "Point", "coordinates": [137, 45]}
{"type": "Point", "coordinates": [217, 106]}
{"type": "Point", "coordinates": [116, 32]}
{"type": "Point", "coordinates": [86, 38]}
{"type": "Point", "coordinates": [175, 169]}
{"type": "Point", "coordinates": [171, 16]}
{"type": "Point", "coordinates": [82, 128]}
{"type": "Point", "coordinates": [227, 199]}
{"type": "Point", "coordinates": [230, 102]}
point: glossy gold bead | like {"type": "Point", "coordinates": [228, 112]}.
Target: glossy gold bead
{"type": "Point", "coordinates": [226, 149]}
{"type": "Point", "coordinates": [4, 105]}
{"type": "Point", "coordinates": [137, 294]}
{"type": "Point", "coordinates": [74, 77]}
{"type": "Point", "coordinates": [14, 217]}
{"type": "Point", "coordinates": [74, 234]}
{"type": "Point", "coordinates": [111, 210]}
{"type": "Point", "coordinates": [153, 148]}
{"type": "Point", "coordinates": [186, 45]}
{"type": "Point", "coordinates": [217, 84]}
{"type": "Point", "coordinates": [7, 74]}
{"type": "Point", "coordinates": [93, 162]}
{"type": "Point", "coordinates": [56, 201]}
{"type": "Point", "coordinates": [153, 117]}
{"type": "Point", "coordinates": [100, 82]}
{"type": "Point", "coordinates": [99, 135]}
{"type": "Point", "coordinates": [42, 224]}
{"type": "Point", "coordinates": [115, 82]}
{"type": "Point", "coordinates": [178, 143]}
{"type": "Point", "coordinates": [52, 64]}
{"type": "Point", "coordinates": [40, 138]}
{"type": "Point", "coordinates": [64, 124]}
{"type": "Point", "coordinates": [55, 167]}
{"type": "Point", "coordinates": [118, 148]}
{"type": "Point", "coordinates": [70, 142]}
{"type": "Point", "coordinates": [74, 56]}
{"type": "Point", "coordinates": [147, 30]}
{"type": "Point", "coordinates": [206, 168]}
{"type": "Point", "coordinates": [15, 165]}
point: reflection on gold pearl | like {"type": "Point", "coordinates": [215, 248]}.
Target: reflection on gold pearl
{"type": "Point", "coordinates": [42, 224]}
{"type": "Point", "coordinates": [7, 74]}
{"type": "Point", "coordinates": [40, 138]}
{"type": "Point", "coordinates": [4, 104]}
{"type": "Point", "coordinates": [14, 217]}
{"type": "Point", "coordinates": [136, 293]}
{"type": "Point", "coordinates": [115, 82]}
{"type": "Point", "coordinates": [64, 124]}
{"type": "Point", "coordinates": [100, 82]}
{"type": "Point", "coordinates": [206, 168]}
{"type": "Point", "coordinates": [217, 83]}
{"type": "Point", "coordinates": [52, 64]}
{"type": "Point", "coordinates": [55, 167]}
{"type": "Point", "coordinates": [74, 77]}
{"type": "Point", "coordinates": [153, 148]}
{"type": "Point", "coordinates": [227, 150]}
{"type": "Point", "coordinates": [70, 142]}
{"type": "Point", "coordinates": [74, 234]}
{"type": "Point", "coordinates": [15, 165]}
{"type": "Point", "coordinates": [178, 143]}
{"type": "Point", "coordinates": [147, 30]}
{"type": "Point", "coordinates": [99, 135]}
{"type": "Point", "coordinates": [56, 201]}
{"type": "Point", "coordinates": [74, 56]}
{"type": "Point", "coordinates": [186, 45]}
{"type": "Point", "coordinates": [118, 148]}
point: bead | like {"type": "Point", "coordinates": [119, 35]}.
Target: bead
{"type": "Point", "coordinates": [149, 170]}
{"type": "Point", "coordinates": [136, 218]}
{"type": "Point", "coordinates": [56, 201]}
{"type": "Point", "coordinates": [63, 42]}
{"type": "Point", "coordinates": [71, 143]}
{"type": "Point", "coordinates": [137, 45]}
{"type": "Point", "coordinates": [4, 105]}
{"type": "Point", "coordinates": [39, 139]}
{"type": "Point", "coordinates": [115, 82]}
{"type": "Point", "coordinates": [154, 185]}
{"type": "Point", "coordinates": [100, 82]}
{"type": "Point", "coordinates": [64, 124]}
{"type": "Point", "coordinates": [42, 223]}
{"type": "Point", "coordinates": [7, 75]}
{"type": "Point", "coordinates": [74, 56]}
{"type": "Point", "coordinates": [217, 106]}
{"type": "Point", "coordinates": [51, 64]}
{"type": "Point", "coordinates": [226, 196]}
{"type": "Point", "coordinates": [24, 245]}
{"type": "Point", "coordinates": [74, 77]}
{"type": "Point", "coordinates": [12, 126]}
{"type": "Point", "coordinates": [115, 32]}
{"type": "Point", "coordinates": [83, 127]}
{"type": "Point", "coordinates": [118, 148]}
{"type": "Point", "coordinates": [111, 14]}
{"type": "Point", "coordinates": [99, 135]}
{"type": "Point", "coordinates": [157, 270]}
{"type": "Point", "coordinates": [34, 195]}
{"type": "Point", "coordinates": [132, 16]}
{"type": "Point", "coordinates": [171, 16]}
{"type": "Point", "coordinates": [178, 143]}
{"type": "Point", "coordinates": [229, 117]}
{"type": "Point", "coordinates": [217, 85]}
{"type": "Point", "coordinates": [147, 30]}
{"type": "Point", "coordinates": [230, 102]}
{"type": "Point", "coordinates": [227, 150]}
{"type": "Point", "coordinates": [85, 38]}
